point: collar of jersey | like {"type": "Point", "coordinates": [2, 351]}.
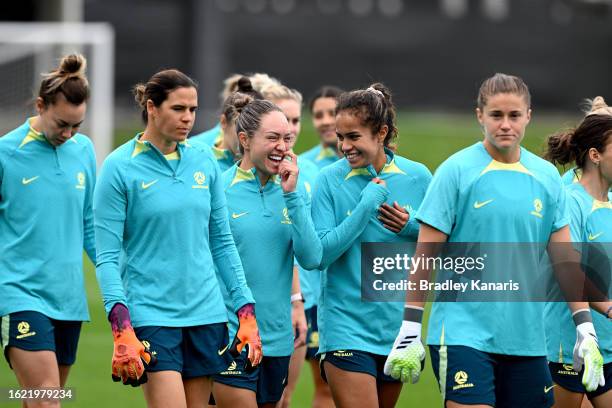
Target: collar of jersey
{"type": "Point", "coordinates": [142, 146]}
{"type": "Point", "coordinates": [222, 154]}
{"type": "Point", "coordinates": [389, 168]}
{"type": "Point", "coordinates": [32, 134]}
{"type": "Point", "coordinates": [243, 175]}
{"type": "Point", "coordinates": [325, 152]}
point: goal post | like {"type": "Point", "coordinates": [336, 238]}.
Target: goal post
{"type": "Point", "coordinates": [29, 49]}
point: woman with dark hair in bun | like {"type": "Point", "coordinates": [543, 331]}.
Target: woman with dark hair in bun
{"type": "Point", "coordinates": [368, 196]}
{"type": "Point", "coordinates": [271, 225]}
{"type": "Point", "coordinates": [225, 149]}
{"type": "Point", "coordinates": [47, 176]}
{"type": "Point", "coordinates": [160, 203]}
{"type": "Point", "coordinates": [590, 147]}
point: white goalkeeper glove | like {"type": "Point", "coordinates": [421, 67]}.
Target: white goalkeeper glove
{"type": "Point", "coordinates": [407, 357]}
{"type": "Point", "coordinates": [587, 354]}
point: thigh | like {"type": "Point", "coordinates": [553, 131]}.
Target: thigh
{"type": "Point", "coordinates": [34, 369]}
{"type": "Point", "coordinates": [523, 382]}
{"type": "Point", "coordinates": [295, 367]}
{"type": "Point", "coordinates": [351, 388]}
{"type": "Point", "coordinates": [164, 389]}
{"type": "Point", "coordinates": [228, 396]}
{"type": "Point", "coordinates": [604, 393]}
{"type": "Point", "coordinates": [388, 393]}
{"type": "Point", "coordinates": [197, 391]}
{"type": "Point", "coordinates": [205, 350]}
{"type": "Point", "coordinates": [465, 375]}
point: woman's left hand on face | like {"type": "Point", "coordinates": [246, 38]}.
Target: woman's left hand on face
{"type": "Point", "coordinates": [288, 172]}
{"type": "Point", "coordinates": [393, 218]}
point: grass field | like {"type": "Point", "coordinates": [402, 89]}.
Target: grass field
{"type": "Point", "coordinates": [423, 137]}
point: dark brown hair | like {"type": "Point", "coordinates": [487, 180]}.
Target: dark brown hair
{"type": "Point", "coordinates": [374, 107]}
{"type": "Point", "coordinates": [573, 145]}
{"type": "Point", "coordinates": [67, 79]}
{"type": "Point", "coordinates": [159, 86]}
{"type": "Point", "coordinates": [327, 91]}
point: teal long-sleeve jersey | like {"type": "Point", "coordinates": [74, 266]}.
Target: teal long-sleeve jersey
{"type": "Point", "coordinates": [270, 228]}
{"type": "Point", "coordinates": [591, 223]}
{"type": "Point", "coordinates": [343, 221]}
{"type": "Point", "coordinates": [171, 223]}
{"type": "Point", "coordinates": [46, 221]}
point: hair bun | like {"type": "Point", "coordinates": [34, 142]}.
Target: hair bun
{"type": "Point", "coordinates": [139, 94]}
{"type": "Point", "coordinates": [599, 107]}
{"type": "Point", "coordinates": [73, 65]}
{"type": "Point", "coordinates": [244, 85]}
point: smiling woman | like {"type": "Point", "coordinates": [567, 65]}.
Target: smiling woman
{"type": "Point", "coordinates": [160, 206]}
{"type": "Point", "coordinates": [47, 175]}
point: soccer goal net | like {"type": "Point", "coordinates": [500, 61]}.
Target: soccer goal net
{"type": "Point", "coordinates": [29, 49]}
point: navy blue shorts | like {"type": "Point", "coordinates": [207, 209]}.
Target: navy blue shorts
{"type": "Point", "coordinates": [312, 336]}
{"type": "Point", "coordinates": [33, 331]}
{"type": "Point", "coordinates": [356, 361]}
{"type": "Point", "coordinates": [267, 380]}
{"type": "Point", "coordinates": [469, 376]}
{"type": "Point", "coordinates": [565, 376]}
{"type": "Point", "coordinates": [195, 351]}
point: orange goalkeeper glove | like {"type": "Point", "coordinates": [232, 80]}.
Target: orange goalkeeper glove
{"type": "Point", "coordinates": [247, 336]}
{"type": "Point", "coordinates": [130, 356]}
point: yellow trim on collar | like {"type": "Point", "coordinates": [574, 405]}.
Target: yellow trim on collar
{"type": "Point", "coordinates": [32, 135]}
{"type": "Point", "coordinates": [242, 175]}
{"type": "Point", "coordinates": [598, 205]}
{"type": "Point", "coordinates": [140, 147]}
{"type": "Point", "coordinates": [495, 165]}
{"type": "Point", "coordinates": [173, 156]}
{"type": "Point", "coordinates": [325, 153]}
{"type": "Point", "coordinates": [362, 171]}
{"type": "Point", "coordinates": [391, 168]}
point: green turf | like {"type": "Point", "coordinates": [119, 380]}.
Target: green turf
{"type": "Point", "coordinates": [423, 137]}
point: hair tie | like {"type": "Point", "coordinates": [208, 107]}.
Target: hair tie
{"type": "Point", "coordinates": [599, 107]}
{"type": "Point", "coordinates": [376, 91]}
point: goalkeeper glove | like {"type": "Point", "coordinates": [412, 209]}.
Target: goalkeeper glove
{"type": "Point", "coordinates": [247, 336]}
{"type": "Point", "coordinates": [130, 356]}
{"type": "Point", "coordinates": [407, 357]}
{"type": "Point", "coordinates": [587, 354]}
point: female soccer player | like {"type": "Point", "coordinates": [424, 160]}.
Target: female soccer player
{"type": "Point", "coordinates": [590, 146]}
{"type": "Point", "coordinates": [160, 201]}
{"type": "Point", "coordinates": [362, 198]}
{"type": "Point", "coordinates": [494, 353]}
{"type": "Point", "coordinates": [47, 176]}
{"type": "Point", "coordinates": [269, 218]}
{"type": "Point", "coordinates": [290, 102]}
{"type": "Point", "coordinates": [323, 110]}
{"type": "Point", "coordinates": [226, 149]}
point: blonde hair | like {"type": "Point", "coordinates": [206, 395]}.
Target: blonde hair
{"type": "Point", "coordinates": [279, 92]}
{"type": "Point", "coordinates": [259, 81]}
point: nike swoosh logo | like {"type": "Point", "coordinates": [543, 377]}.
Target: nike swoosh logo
{"type": "Point", "coordinates": [147, 185]}
{"type": "Point", "coordinates": [546, 389]}
{"type": "Point", "coordinates": [479, 205]}
{"type": "Point", "coordinates": [28, 181]}
{"type": "Point", "coordinates": [594, 237]}
{"type": "Point", "coordinates": [222, 350]}
{"type": "Point", "coordinates": [234, 215]}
